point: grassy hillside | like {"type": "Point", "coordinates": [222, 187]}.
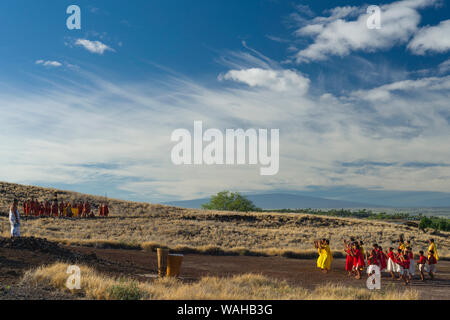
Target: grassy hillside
{"type": "Point", "coordinates": [148, 225]}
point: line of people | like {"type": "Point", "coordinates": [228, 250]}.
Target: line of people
{"type": "Point", "coordinates": [34, 208]}
{"type": "Point", "coordinates": [400, 261]}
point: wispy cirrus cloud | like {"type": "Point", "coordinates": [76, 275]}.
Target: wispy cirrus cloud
{"type": "Point", "coordinates": [383, 93]}
{"type": "Point", "coordinates": [444, 67]}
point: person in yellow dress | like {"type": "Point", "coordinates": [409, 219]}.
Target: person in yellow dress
{"type": "Point", "coordinates": [318, 246]}
{"type": "Point", "coordinates": [401, 245]}
{"type": "Point", "coordinates": [329, 257]}
{"type": "Point", "coordinates": [325, 255]}
{"type": "Point", "coordinates": [434, 249]}
{"type": "Point", "coordinates": [74, 208]}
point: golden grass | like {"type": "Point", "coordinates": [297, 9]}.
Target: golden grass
{"type": "Point", "coordinates": [244, 287]}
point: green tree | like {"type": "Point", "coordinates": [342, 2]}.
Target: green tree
{"type": "Point", "coordinates": [230, 201]}
{"type": "Point", "coordinates": [425, 223]}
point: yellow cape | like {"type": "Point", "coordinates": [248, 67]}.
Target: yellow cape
{"type": "Point", "coordinates": [434, 248]}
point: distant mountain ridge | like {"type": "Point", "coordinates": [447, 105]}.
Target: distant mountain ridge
{"type": "Point", "coordinates": [282, 201]}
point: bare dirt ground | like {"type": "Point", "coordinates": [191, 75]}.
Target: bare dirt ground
{"type": "Point", "coordinates": [17, 258]}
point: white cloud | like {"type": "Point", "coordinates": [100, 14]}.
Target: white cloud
{"type": "Point", "coordinates": [334, 35]}
{"type": "Point", "coordinates": [49, 63]}
{"type": "Point", "coordinates": [431, 39]}
{"type": "Point", "coordinates": [444, 67]}
{"type": "Point", "coordinates": [93, 46]}
{"type": "Point", "coordinates": [277, 80]}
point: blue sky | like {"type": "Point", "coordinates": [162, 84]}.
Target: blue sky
{"type": "Point", "coordinates": [92, 110]}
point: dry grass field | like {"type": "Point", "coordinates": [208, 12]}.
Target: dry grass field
{"type": "Point", "coordinates": [146, 226]}
{"type": "Point", "coordinates": [241, 287]}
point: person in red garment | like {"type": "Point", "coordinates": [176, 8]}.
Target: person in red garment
{"type": "Point", "coordinates": [33, 207]}
{"type": "Point", "coordinates": [374, 263]}
{"type": "Point", "coordinates": [421, 263]}
{"type": "Point", "coordinates": [358, 260]}
{"type": "Point", "coordinates": [44, 208]}
{"type": "Point", "coordinates": [349, 261]}
{"type": "Point", "coordinates": [62, 206]}
{"type": "Point", "coordinates": [47, 208]}
{"type": "Point", "coordinates": [392, 262]}
{"type": "Point", "coordinates": [406, 265]}
{"type": "Point", "coordinates": [38, 208]}
{"type": "Point", "coordinates": [80, 209]}
{"type": "Point", "coordinates": [399, 264]}
{"type": "Point", "coordinates": [54, 208]}
{"type": "Point", "coordinates": [105, 210]}
{"type": "Point", "coordinates": [86, 210]}
{"type": "Point", "coordinates": [29, 213]}
{"type": "Point", "coordinates": [431, 266]}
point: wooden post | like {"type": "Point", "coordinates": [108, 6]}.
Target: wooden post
{"type": "Point", "coordinates": [162, 261]}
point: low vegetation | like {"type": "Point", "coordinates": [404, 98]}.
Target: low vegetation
{"type": "Point", "coordinates": [243, 287]}
{"type": "Point", "coordinates": [435, 223]}
{"type": "Point", "coordinates": [230, 201]}
{"type": "Point", "coordinates": [124, 289]}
